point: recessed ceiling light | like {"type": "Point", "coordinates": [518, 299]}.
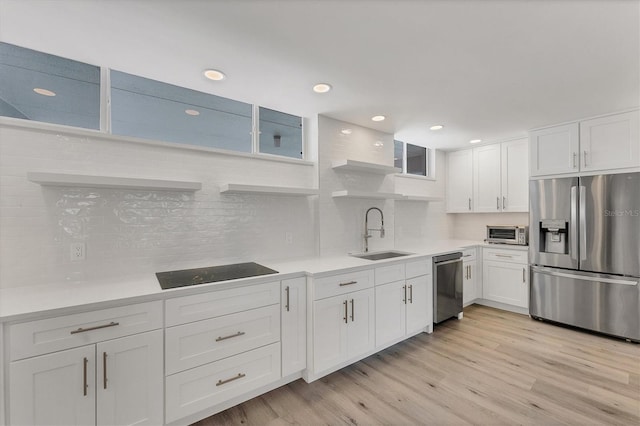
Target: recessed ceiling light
{"type": "Point", "coordinates": [191, 112]}
{"type": "Point", "coordinates": [378, 118]}
{"type": "Point", "coordinates": [436, 127]}
{"type": "Point", "coordinates": [214, 75]}
{"type": "Point", "coordinates": [378, 143]}
{"type": "Point", "coordinates": [44, 92]}
{"type": "Point", "coordinates": [321, 88]}
{"type": "Point", "coordinates": [475, 141]}
{"type": "Point", "coordinates": [346, 131]}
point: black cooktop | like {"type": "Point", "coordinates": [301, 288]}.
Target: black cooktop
{"type": "Point", "coordinates": [187, 277]}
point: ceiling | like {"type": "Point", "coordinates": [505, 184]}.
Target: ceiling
{"type": "Point", "coordinates": [487, 69]}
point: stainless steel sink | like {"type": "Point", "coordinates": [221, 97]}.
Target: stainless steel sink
{"type": "Point", "coordinates": [380, 255]}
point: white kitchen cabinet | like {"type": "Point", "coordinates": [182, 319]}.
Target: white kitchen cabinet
{"type": "Point", "coordinates": [419, 304]}
{"type": "Point", "coordinates": [391, 312]}
{"type": "Point", "coordinates": [505, 277]}
{"type": "Point", "coordinates": [118, 382]}
{"type": "Point", "coordinates": [470, 282]}
{"type": "Point", "coordinates": [498, 178]}
{"type": "Point", "coordinates": [515, 176]}
{"type": "Point", "coordinates": [597, 145]}
{"type": "Point", "coordinates": [486, 179]}
{"type": "Point", "coordinates": [460, 181]}
{"type": "Point", "coordinates": [403, 307]}
{"type": "Point", "coordinates": [611, 142]}
{"type": "Point", "coordinates": [294, 325]}
{"type": "Point", "coordinates": [554, 150]}
{"type": "Point", "coordinates": [343, 328]}
{"type": "Point", "coordinates": [57, 388]}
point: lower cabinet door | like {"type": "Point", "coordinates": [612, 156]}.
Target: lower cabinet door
{"type": "Point", "coordinates": [506, 283]}
{"type": "Point", "coordinates": [330, 319]}
{"type": "Point", "coordinates": [361, 328]}
{"type": "Point", "coordinates": [129, 380]}
{"type": "Point", "coordinates": [293, 307]}
{"type": "Point", "coordinates": [419, 303]}
{"type": "Point", "coordinates": [390, 312]}
{"type": "Point", "coordinates": [469, 282]}
{"type": "Point", "coordinates": [54, 389]}
{"type": "Point", "coordinates": [200, 388]}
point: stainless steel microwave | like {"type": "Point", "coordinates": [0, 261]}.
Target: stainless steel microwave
{"type": "Point", "coordinates": [508, 234]}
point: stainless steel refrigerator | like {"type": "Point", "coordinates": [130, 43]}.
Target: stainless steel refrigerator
{"type": "Point", "coordinates": [584, 247]}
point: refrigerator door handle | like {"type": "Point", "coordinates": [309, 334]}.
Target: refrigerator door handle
{"type": "Point", "coordinates": [583, 222]}
{"type": "Point", "coordinates": [547, 271]}
{"type": "Point", "coordinates": [573, 249]}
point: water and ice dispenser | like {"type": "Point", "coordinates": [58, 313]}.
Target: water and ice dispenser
{"type": "Point", "coordinates": [554, 236]}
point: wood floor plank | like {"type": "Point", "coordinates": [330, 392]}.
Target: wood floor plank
{"type": "Point", "coordinates": [491, 368]}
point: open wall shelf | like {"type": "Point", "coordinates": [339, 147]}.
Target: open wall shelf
{"type": "Point", "coordinates": [114, 182]}
{"type": "Point", "coordinates": [361, 166]}
{"type": "Point", "coordinates": [235, 188]}
{"type": "Point", "coordinates": [367, 195]}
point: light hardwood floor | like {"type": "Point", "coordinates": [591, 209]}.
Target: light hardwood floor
{"type": "Point", "coordinates": [490, 368]}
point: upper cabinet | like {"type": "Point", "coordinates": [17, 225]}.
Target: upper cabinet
{"type": "Point", "coordinates": [600, 144]}
{"type": "Point", "coordinates": [490, 178]}
{"type": "Point", "coordinates": [459, 181]}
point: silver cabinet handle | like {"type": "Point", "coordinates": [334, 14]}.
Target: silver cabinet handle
{"type": "Point", "coordinates": [346, 312]}
{"type": "Point", "coordinates": [353, 314]}
{"type": "Point", "coordinates": [287, 304]}
{"type": "Point", "coordinates": [469, 204]}
{"type": "Point", "coordinates": [504, 203]}
{"type": "Point", "coordinates": [504, 255]}
{"type": "Point", "coordinates": [348, 283]}
{"type": "Point", "coordinates": [523, 272]}
{"type": "Point", "coordinates": [575, 157]}
{"type": "Point", "coordinates": [404, 298]}
{"type": "Point", "coordinates": [222, 382]}
{"type": "Point", "coordinates": [82, 330]}
{"type": "Point", "coordinates": [104, 370]}
{"type": "Point", "coordinates": [469, 271]}
{"type": "Point", "coordinates": [497, 203]}
{"type": "Point", "coordinates": [85, 385]}
{"type": "Point", "coordinates": [585, 158]}
{"type": "Point", "coordinates": [231, 336]}
{"type": "Point", "coordinates": [411, 294]}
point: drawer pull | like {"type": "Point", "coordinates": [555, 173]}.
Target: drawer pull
{"type": "Point", "coordinates": [504, 255]}
{"type": "Point", "coordinates": [97, 327]}
{"type": "Point", "coordinates": [85, 385]}
{"type": "Point", "coordinates": [348, 283]}
{"type": "Point", "coordinates": [287, 305]}
{"type": "Point", "coordinates": [353, 315]}
{"type": "Point", "coordinates": [231, 336]}
{"type": "Point", "coordinates": [222, 382]}
{"type": "Point", "coordinates": [104, 370]}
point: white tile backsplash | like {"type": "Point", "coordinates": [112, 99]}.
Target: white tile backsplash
{"type": "Point", "coordinates": [135, 231]}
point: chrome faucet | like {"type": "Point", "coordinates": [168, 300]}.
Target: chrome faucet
{"type": "Point", "coordinates": [366, 227]}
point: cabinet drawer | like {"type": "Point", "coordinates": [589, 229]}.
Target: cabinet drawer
{"type": "Point", "coordinates": [197, 307]}
{"type": "Point", "coordinates": [418, 268]}
{"type": "Point", "coordinates": [203, 387]}
{"type": "Point", "coordinates": [70, 331]}
{"type": "Point", "coordinates": [389, 274]}
{"type": "Point", "coordinates": [201, 342]}
{"type": "Point", "coordinates": [468, 254]}
{"type": "Point", "coordinates": [505, 255]}
{"type": "Point", "coordinates": [342, 283]}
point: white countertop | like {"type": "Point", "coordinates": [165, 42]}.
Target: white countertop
{"type": "Point", "coordinates": [24, 302]}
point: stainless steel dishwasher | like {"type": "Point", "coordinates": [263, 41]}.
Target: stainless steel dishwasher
{"type": "Point", "coordinates": [447, 286]}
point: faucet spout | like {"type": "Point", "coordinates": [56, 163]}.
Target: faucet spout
{"type": "Point", "coordinates": [367, 229]}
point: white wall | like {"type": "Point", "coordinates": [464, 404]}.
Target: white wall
{"type": "Point", "coordinates": [342, 220]}
{"type": "Point", "coordinates": [129, 231]}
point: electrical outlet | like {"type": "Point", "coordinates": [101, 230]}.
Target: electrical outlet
{"type": "Point", "coordinates": [288, 237]}
{"type": "Point", "coordinates": [77, 251]}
